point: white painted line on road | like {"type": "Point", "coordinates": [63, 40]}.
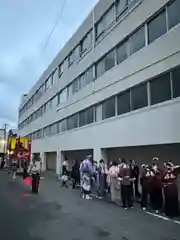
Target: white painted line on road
{"type": "Point", "coordinates": [164, 218]}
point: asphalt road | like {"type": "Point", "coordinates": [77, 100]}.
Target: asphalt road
{"type": "Point", "coordinates": [59, 213]}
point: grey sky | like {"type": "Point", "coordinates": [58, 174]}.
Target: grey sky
{"type": "Point", "coordinates": [24, 28]}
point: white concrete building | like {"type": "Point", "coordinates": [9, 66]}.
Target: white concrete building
{"type": "Point", "coordinates": [113, 90]}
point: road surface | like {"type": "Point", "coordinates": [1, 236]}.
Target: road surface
{"type": "Point", "coordinates": [59, 213]}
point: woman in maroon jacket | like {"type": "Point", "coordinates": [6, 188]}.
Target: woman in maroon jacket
{"type": "Point", "coordinates": [156, 191]}
{"type": "Point", "coordinates": [146, 180]}
{"type": "Point", "coordinates": [171, 190]}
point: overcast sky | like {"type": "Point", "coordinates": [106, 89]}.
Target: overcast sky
{"type": "Point", "coordinates": [24, 28]}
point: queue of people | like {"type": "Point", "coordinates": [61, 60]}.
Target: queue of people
{"type": "Point", "coordinates": [122, 181]}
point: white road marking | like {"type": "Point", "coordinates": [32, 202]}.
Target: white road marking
{"type": "Point", "coordinates": [164, 218]}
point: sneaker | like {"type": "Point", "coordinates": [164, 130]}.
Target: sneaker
{"type": "Point", "coordinates": [157, 211]}
{"type": "Point", "coordinates": [144, 208]}
{"type": "Point", "coordinates": [88, 197]}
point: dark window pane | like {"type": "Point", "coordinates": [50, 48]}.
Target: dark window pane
{"type": "Point", "coordinates": [86, 117]}
{"type": "Point", "coordinates": [157, 27]}
{"type": "Point", "coordinates": [72, 122]}
{"type": "Point", "coordinates": [108, 108]}
{"type": "Point", "coordinates": [174, 13]}
{"type": "Point", "coordinates": [137, 40]}
{"type": "Point", "coordinates": [176, 82]}
{"type": "Point", "coordinates": [100, 68]}
{"type": "Point", "coordinates": [121, 6]}
{"type": "Point", "coordinates": [90, 115]}
{"type": "Point", "coordinates": [160, 89]}
{"type": "Point", "coordinates": [124, 102]}
{"type": "Point", "coordinates": [82, 118]}
{"type": "Point", "coordinates": [89, 75]}
{"type": "Point", "coordinates": [63, 125]}
{"type": "Point", "coordinates": [110, 61]}
{"type": "Point", "coordinates": [122, 52]}
{"type": "Point", "coordinates": [139, 97]}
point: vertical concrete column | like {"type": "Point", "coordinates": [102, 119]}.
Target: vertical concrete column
{"type": "Point", "coordinates": [59, 162]}
{"type": "Point", "coordinates": [99, 153]}
{"type": "Point", "coordinates": [43, 166]}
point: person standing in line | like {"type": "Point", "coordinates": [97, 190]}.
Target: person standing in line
{"type": "Point", "coordinates": [86, 170]}
{"type": "Point", "coordinates": [75, 174]}
{"type": "Point", "coordinates": [101, 178]}
{"type": "Point", "coordinates": [146, 181]}
{"type": "Point", "coordinates": [126, 185]}
{"type": "Point", "coordinates": [170, 188]}
{"type": "Point", "coordinates": [64, 177]}
{"type": "Point", "coordinates": [112, 176]}
{"type": "Point", "coordinates": [156, 192]}
{"type": "Point", "coordinates": [135, 175]}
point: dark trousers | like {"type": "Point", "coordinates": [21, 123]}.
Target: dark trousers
{"type": "Point", "coordinates": [75, 182]}
{"type": "Point", "coordinates": [171, 206]}
{"type": "Point", "coordinates": [144, 198]}
{"type": "Point", "coordinates": [136, 188]}
{"type": "Point", "coordinates": [126, 195]}
{"type": "Point", "coordinates": [156, 198]}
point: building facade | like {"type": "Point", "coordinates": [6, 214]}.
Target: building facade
{"type": "Point", "coordinates": [113, 90]}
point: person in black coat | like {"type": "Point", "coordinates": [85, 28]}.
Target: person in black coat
{"type": "Point", "coordinates": [135, 174]}
{"type": "Point", "coordinates": [75, 174]}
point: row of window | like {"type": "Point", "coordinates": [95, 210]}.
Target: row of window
{"type": "Point", "coordinates": [79, 83]}
{"type": "Point", "coordinates": [159, 89]}
{"type": "Point", "coordinates": [157, 26]}
{"type": "Point", "coordinates": [107, 20]}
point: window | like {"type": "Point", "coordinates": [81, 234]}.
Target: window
{"type": "Point", "coordinates": [176, 82]}
{"type": "Point", "coordinates": [121, 6]}
{"type": "Point", "coordinates": [139, 98]}
{"type": "Point", "coordinates": [64, 125]}
{"type": "Point", "coordinates": [60, 69]}
{"type": "Point", "coordinates": [55, 76]}
{"type": "Point", "coordinates": [98, 112]}
{"type": "Point", "coordinates": [89, 75]}
{"type": "Point", "coordinates": [75, 86]}
{"type": "Point", "coordinates": [157, 27]}
{"type": "Point", "coordinates": [100, 68]}
{"type": "Point", "coordinates": [74, 56]}
{"type": "Point", "coordinates": [109, 18]}
{"type": "Point", "coordinates": [47, 131]}
{"type": "Point", "coordinates": [108, 108]}
{"type": "Point", "coordinates": [62, 97]}
{"type": "Point", "coordinates": [132, 3]}
{"type": "Point", "coordinates": [38, 134]}
{"type": "Point", "coordinates": [86, 117]}
{"type": "Point", "coordinates": [105, 64]}
{"type": "Point", "coordinates": [48, 83]}
{"type": "Point", "coordinates": [70, 90]}
{"type": "Point", "coordinates": [54, 101]}
{"type": "Point", "coordinates": [54, 129]}
{"type": "Point", "coordinates": [174, 13]}
{"type": "Point", "coordinates": [105, 23]}
{"type": "Point", "coordinates": [48, 106]}
{"type": "Point", "coordinates": [99, 28]}
{"type": "Point", "coordinates": [123, 102]}
{"type": "Point", "coordinates": [86, 43]}
{"type": "Point", "coordinates": [65, 64]}
{"type": "Point", "coordinates": [137, 40]}
{"type": "Point", "coordinates": [110, 60]}
{"type": "Point", "coordinates": [82, 81]}
{"type": "Point", "coordinates": [160, 89]}
{"type": "Point", "coordinates": [122, 52]}
{"type": "Point", "coordinates": [72, 122]}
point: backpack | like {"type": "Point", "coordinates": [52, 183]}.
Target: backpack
{"type": "Point", "coordinates": [85, 168]}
